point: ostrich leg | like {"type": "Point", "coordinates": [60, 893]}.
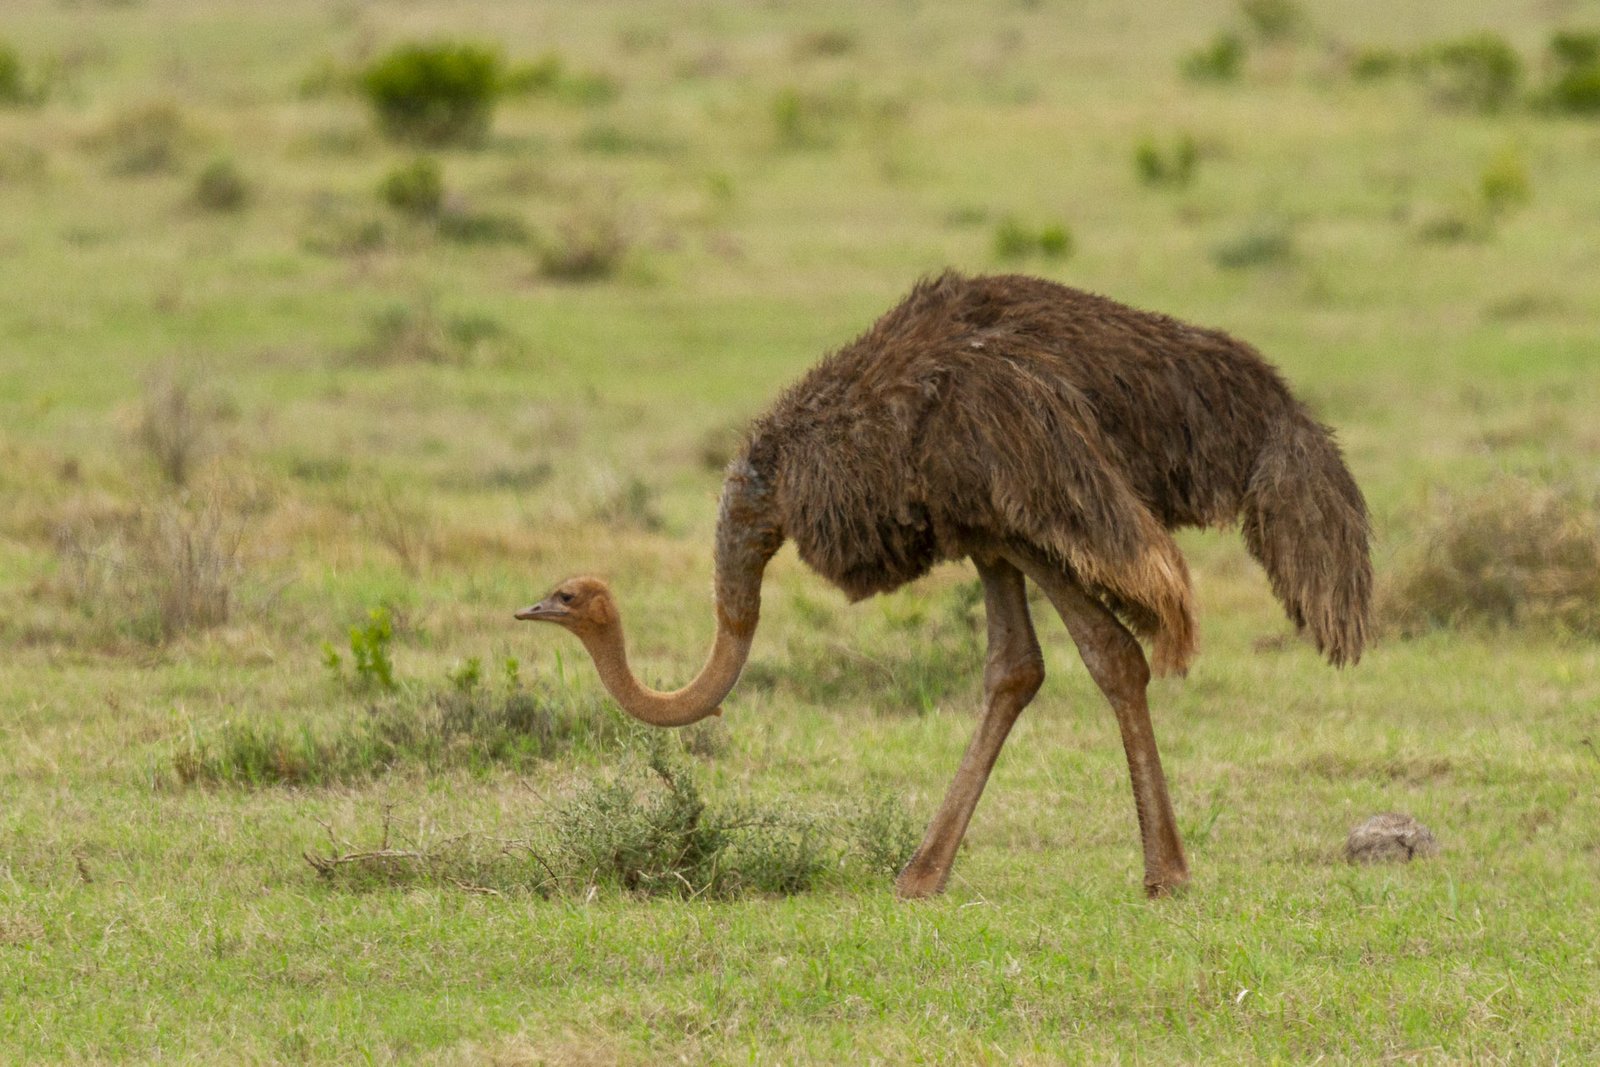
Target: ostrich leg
{"type": "Point", "coordinates": [1011, 676]}
{"type": "Point", "coordinates": [1117, 664]}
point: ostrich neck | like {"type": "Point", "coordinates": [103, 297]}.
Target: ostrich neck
{"type": "Point", "coordinates": [747, 536]}
{"type": "Point", "coordinates": [700, 698]}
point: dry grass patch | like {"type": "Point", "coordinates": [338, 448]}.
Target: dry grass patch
{"type": "Point", "coordinates": [1517, 554]}
{"type": "Point", "coordinates": [153, 571]}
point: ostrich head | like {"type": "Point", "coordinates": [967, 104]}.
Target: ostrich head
{"type": "Point", "coordinates": [582, 605]}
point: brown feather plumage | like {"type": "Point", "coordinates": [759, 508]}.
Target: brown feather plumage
{"type": "Point", "coordinates": [984, 415]}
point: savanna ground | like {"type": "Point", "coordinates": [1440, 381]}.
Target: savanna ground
{"type": "Point", "coordinates": [238, 414]}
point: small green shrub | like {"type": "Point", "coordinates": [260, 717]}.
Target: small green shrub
{"type": "Point", "coordinates": [145, 139]}
{"type": "Point", "coordinates": [1574, 72]}
{"type": "Point", "coordinates": [415, 188]}
{"type": "Point", "coordinates": [1477, 73]}
{"type": "Point", "coordinates": [1577, 91]}
{"type": "Point", "coordinates": [1171, 166]}
{"type": "Point", "coordinates": [1505, 184]}
{"type": "Point", "coordinates": [1263, 243]}
{"type": "Point", "coordinates": [372, 666]}
{"type": "Point", "coordinates": [810, 119]}
{"type": "Point", "coordinates": [658, 836]}
{"type": "Point", "coordinates": [548, 76]}
{"type": "Point", "coordinates": [1013, 240]}
{"type": "Point", "coordinates": [481, 228]}
{"type": "Point", "coordinates": [1275, 20]}
{"type": "Point", "coordinates": [1372, 64]}
{"type": "Point", "coordinates": [13, 90]}
{"type": "Point", "coordinates": [1454, 224]}
{"type": "Point", "coordinates": [221, 187]}
{"type": "Point", "coordinates": [607, 138]}
{"type": "Point", "coordinates": [434, 94]}
{"type": "Point", "coordinates": [1220, 61]}
{"type": "Point", "coordinates": [1575, 48]}
{"type": "Point", "coordinates": [824, 44]}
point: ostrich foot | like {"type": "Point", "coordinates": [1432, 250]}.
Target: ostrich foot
{"type": "Point", "coordinates": [1166, 884]}
{"type": "Point", "coordinates": [919, 881]}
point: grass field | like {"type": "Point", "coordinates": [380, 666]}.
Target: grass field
{"type": "Point", "coordinates": [231, 430]}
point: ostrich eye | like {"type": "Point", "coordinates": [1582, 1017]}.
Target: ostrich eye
{"type": "Point", "coordinates": [565, 598]}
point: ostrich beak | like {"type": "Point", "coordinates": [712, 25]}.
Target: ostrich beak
{"type": "Point", "coordinates": [544, 611]}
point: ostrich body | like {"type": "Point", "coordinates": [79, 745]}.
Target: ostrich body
{"type": "Point", "coordinates": [1049, 435]}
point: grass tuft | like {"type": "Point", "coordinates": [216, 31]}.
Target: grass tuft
{"type": "Point", "coordinates": [156, 572]}
{"type": "Point", "coordinates": [451, 728]}
{"type": "Point", "coordinates": [650, 832]}
{"type": "Point", "coordinates": [1480, 73]}
{"type": "Point", "coordinates": [589, 245]}
{"type": "Point", "coordinates": [149, 138]}
{"type": "Point", "coordinates": [1263, 243]}
{"type": "Point", "coordinates": [415, 188]}
{"type": "Point", "coordinates": [221, 187]}
{"type": "Point", "coordinates": [1220, 61]}
{"type": "Point", "coordinates": [1172, 165]}
{"type": "Point", "coordinates": [177, 425]}
{"type": "Point", "coordinates": [1517, 554]}
{"type": "Point", "coordinates": [1013, 240]}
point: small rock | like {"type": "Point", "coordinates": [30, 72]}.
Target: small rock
{"type": "Point", "coordinates": [1390, 838]}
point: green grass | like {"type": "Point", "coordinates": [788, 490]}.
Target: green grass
{"type": "Point", "coordinates": [433, 420]}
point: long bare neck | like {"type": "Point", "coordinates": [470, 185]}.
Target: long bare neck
{"type": "Point", "coordinates": [747, 536]}
{"type": "Point", "coordinates": [701, 697]}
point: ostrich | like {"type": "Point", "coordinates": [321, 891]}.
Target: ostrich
{"type": "Point", "coordinates": [1046, 434]}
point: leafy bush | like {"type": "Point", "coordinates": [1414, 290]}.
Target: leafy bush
{"type": "Point", "coordinates": [369, 654]}
{"type": "Point", "coordinates": [1575, 48]}
{"type": "Point", "coordinates": [434, 94]}
{"type": "Point", "coordinates": [1371, 64]}
{"type": "Point", "coordinates": [12, 88]}
{"type": "Point", "coordinates": [1274, 20]}
{"type": "Point", "coordinates": [415, 188]}
{"type": "Point", "coordinates": [1516, 554]}
{"type": "Point", "coordinates": [145, 139]}
{"type": "Point", "coordinates": [1263, 243]}
{"type": "Point", "coordinates": [1574, 63]}
{"type": "Point", "coordinates": [650, 832]}
{"type": "Point", "coordinates": [828, 43]}
{"type": "Point", "coordinates": [809, 118]}
{"type": "Point", "coordinates": [1505, 184]}
{"type": "Point", "coordinates": [1173, 166]}
{"type": "Point", "coordinates": [481, 228]}
{"type": "Point", "coordinates": [1220, 61]}
{"type": "Point", "coordinates": [549, 76]}
{"type": "Point", "coordinates": [1478, 73]}
{"type": "Point", "coordinates": [221, 187]}
{"type": "Point", "coordinates": [1013, 240]}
